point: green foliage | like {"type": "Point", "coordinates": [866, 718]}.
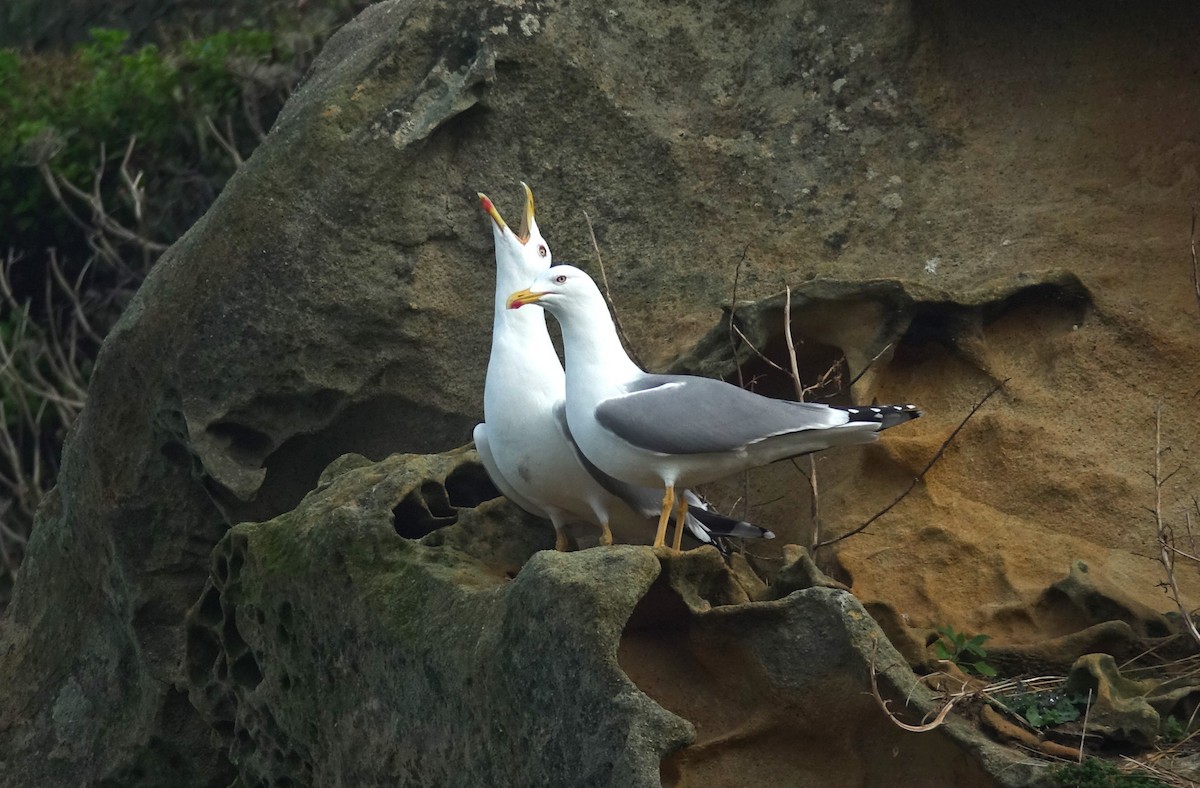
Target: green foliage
{"type": "Point", "coordinates": [1047, 709]}
{"type": "Point", "coordinates": [1174, 729]}
{"type": "Point", "coordinates": [124, 93]}
{"type": "Point", "coordinates": [966, 652]}
{"type": "Point", "coordinates": [1096, 773]}
{"type": "Point", "coordinates": [69, 121]}
{"type": "Point", "coordinates": [206, 61]}
{"type": "Point", "coordinates": [62, 109]}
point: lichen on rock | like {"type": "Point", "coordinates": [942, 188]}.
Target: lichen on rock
{"type": "Point", "coordinates": [327, 646]}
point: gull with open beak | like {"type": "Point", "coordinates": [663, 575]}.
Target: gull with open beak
{"type": "Point", "coordinates": [524, 443]}
{"type": "Point", "coordinates": [668, 431]}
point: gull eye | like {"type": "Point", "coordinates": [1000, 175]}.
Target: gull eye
{"type": "Point", "coordinates": [542, 250]}
{"type": "Point", "coordinates": [561, 279]}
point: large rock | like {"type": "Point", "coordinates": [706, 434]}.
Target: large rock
{"type": "Point", "coordinates": [336, 298]}
{"type": "Point", "coordinates": [325, 649]}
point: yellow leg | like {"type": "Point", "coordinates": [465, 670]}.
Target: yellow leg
{"type": "Point", "coordinates": [560, 541]}
{"type": "Point", "coordinates": [681, 509]}
{"type": "Point", "coordinates": [660, 538]}
{"type": "Point", "coordinates": [605, 533]}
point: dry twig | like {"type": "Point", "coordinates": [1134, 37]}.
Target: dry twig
{"type": "Point", "coordinates": [801, 393]}
{"type": "Point", "coordinates": [938, 719]}
{"type": "Point", "coordinates": [102, 225]}
{"type": "Point", "coordinates": [1087, 710]}
{"type": "Point", "coordinates": [917, 479]}
{"type": "Point", "coordinates": [1163, 532]}
{"type": "Point", "coordinates": [737, 274]}
{"type": "Point", "coordinates": [608, 295]}
{"type": "Point", "coordinates": [225, 140]}
{"type": "Point", "coordinates": [1195, 267]}
{"type": "Point", "coordinates": [43, 383]}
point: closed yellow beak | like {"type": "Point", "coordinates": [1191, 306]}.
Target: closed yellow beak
{"type": "Point", "coordinates": [523, 297]}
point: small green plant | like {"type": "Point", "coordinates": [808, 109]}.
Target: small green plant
{"type": "Point", "coordinates": [966, 652]}
{"type": "Point", "coordinates": [1095, 773]}
{"type": "Point", "coordinates": [1174, 729]}
{"type": "Point", "coordinates": [1047, 709]}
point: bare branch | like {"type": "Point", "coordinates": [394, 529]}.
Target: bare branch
{"type": "Point", "coordinates": [791, 346]}
{"type": "Point", "coordinates": [608, 295]}
{"type": "Point", "coordinates": [1163, 532]}
{"type": "Point", "coordinates": [102, 222]}
{"type": "Point", "coordinates": [917, 479]}
{"type": "Point", "coordinates": [870, 364]}
{"type": "Point", "coordinates": [1087, 710]}
{"type": "Point", "coordinates": [737, 274]}
{"type": "Point", "coordinates": [1195, 267]}
{"type": "Point", "coordinates": [226, 142]}
{"type": "Point", "coordinates": [137, 192]}
{"type": "Point", "coordinates": [758, 353]}
{"type": "Point", "coordinates": [883, 704]}
{"type": "Point", "coordinates": [801, 394]}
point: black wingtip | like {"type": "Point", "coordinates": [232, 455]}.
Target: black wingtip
{"type": "Point", "coordinates": [720, 525]}
{"type": "Point", "coordinates": [885, 415]}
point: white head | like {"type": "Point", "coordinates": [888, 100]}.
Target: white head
{"type": "Point", "coordinates": [558, 289]}
{"type": "Point", "coordinates": [523, 254]}
{"type": "Point", "coordinates": [589, 335]}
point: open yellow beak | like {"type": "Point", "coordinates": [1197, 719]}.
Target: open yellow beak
{"type": "Point", "coordinates": [527, 217]}
{"type": "Point", "coordinates": [523, 297]}
{"type": "Point", "coordinates": [490, 208]}
{"type": "Point", "coordinates": [525, 230]}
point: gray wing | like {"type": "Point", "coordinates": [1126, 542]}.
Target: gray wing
{"type": "Point", "coordinates": [702, 520]}
{"type": "Point", "coordinates": [683, 414]}
{"type": "Point", "coordinates": [642, 500]}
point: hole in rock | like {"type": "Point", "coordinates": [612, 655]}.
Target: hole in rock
{"type": "Point", "coordinates": [374, 429]}
{"type": "Point", "coordinates": [469, 485]}
{"type": "Point", "coordinates": [224, 709]}
{"type": "Point", "coordinates": [773, 703]}
{"type": "Point", "coordinates": [237, 558]}
{"type": "Point", "coordinates": [244, 742]}
{"type": "Point", "coordinates": [202, 653]}
{"type": "Point", "coordinates": [245, 444]}
{"type": "Point", "coordinates": [1155, 629]}
{"type": "Point", "coordinates": [246, 671]}
{"type": "Point", "coordinates": [813, 361]}
{"type": "Point", "coordinates": [176, 454]}
{"type": "Point", "coordinates": [423, 511]}
{"type": "Point", "coordinates": [283, 629]}
{"type": "Point", "coordinates": [209, 611]}
{"type": "Point", "coordinates": [235, 646]}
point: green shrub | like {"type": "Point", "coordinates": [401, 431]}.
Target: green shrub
{"type": "Point", "coordinates": [966, 652]}
{"type": "Point", "coordinates": [70, 118]}
{"type": "Point", "coordinates": [62, 110]}
{"type": "Point", "coordinates": [1095, 773]}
